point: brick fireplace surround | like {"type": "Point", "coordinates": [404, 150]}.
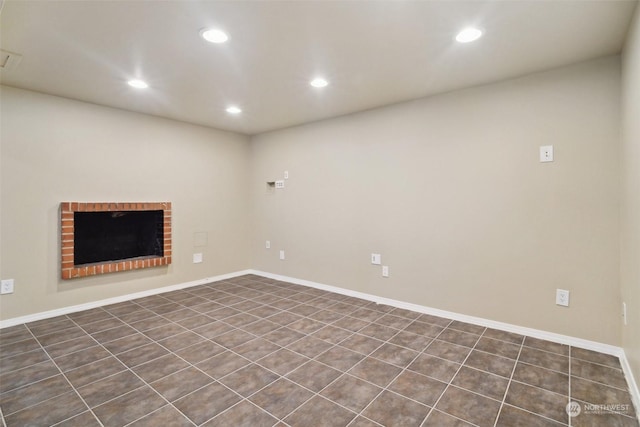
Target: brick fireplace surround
{"type": "Point", "coordinates": [70, 271]}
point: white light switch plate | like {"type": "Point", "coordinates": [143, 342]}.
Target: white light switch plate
{"type": "Point", "coordinates": [197, 258]}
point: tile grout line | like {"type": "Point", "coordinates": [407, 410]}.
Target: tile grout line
{"type": "Point", "coordinates": [342, 373]}
{"type": "Point", "coordinates": [32, 382]}
{"type": "Point", "coordinates": [243, 398]}
{"type": "Point", "coordinates": [506, 391]}
{"type": "Point", "coordinates": [307, 334]}
{"type": "Point", "coordinates": [404, 370]}
{"type": "Point", "coordinates": [127, 368]}
{"type": "Point", "coordinates": [193, 365]}
{"type": "Point", "coordinates": [521, 347]}
{"type": "Point", "coordinates": [300, 301]}
{"type": "Point", "coordinates": [314, 393]}
{"type": "Point", "coordinates": [66, 379]}
{"type": "Point", "coordinates": [570, 421]}
{"type": "Point", "coordinates": [336, 320]}
{"type": "Point", "coordinates": [449, 383]}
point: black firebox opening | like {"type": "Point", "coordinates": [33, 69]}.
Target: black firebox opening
{"type": "Point", "coordinates": [116, 236]}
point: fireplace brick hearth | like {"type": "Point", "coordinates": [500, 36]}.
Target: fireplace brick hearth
{"type": "Point", "coordinates": [69, 270]}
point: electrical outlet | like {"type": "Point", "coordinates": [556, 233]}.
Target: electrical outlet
{"type": "Point", "coordinates": [267, 244]}
{"type": "Point", "coordinates": [562, 297]}
{"type": "Point", "coordinates": [286, 174]}
{"type": "Point", "coordinates": [546, 153]}
{"type": "Point", "coordinates": [282, 255]}
{"type": "Point", "coordinates": [6, 286]}
{"type": "Point", "coordinates": [197, 258]}
{"type": "Point", "coordinates": [279, 184]}
{"type": "Point", "coordinates": [385, 271]}
{"type": "Point", "coordinates": [376, 259]}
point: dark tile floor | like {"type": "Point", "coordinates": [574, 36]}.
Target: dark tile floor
{"type": "Point", "coordinates": [257, 352]}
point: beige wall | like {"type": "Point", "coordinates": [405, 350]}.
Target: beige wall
{"type": "Point", "coordinates": [630, 212]}
{"type": "Point", "coordinates": [54, 149]}
{"type": "Point", "coordinates": [450, 191]}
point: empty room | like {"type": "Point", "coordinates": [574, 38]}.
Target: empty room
{"type": "Point", "coordinates": [320, 213]}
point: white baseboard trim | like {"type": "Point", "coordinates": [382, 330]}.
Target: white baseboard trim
{"type": "Point", "coordinates": [535, 333]}
{"type": "Point", "coordinates": [633, 385]}
{"type": "Point", "coordinates": [80, 307]}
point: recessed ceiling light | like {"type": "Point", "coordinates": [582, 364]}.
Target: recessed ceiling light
{"type": "Point", "coordinates": [233, 110]}
{"type": "Point", "coordinates": [319, 82]}
{"type": "Point", "coordinates": [214, 36]}
{"type": "Point", "coordinates": [138, 84]}
{"type": "Point", "coordinates": [468, 35]}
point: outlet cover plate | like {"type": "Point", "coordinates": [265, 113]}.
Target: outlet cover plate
{"type": "Point", "coordinates": [562, 297]}
{"type": "Point", "coordinates": [546, 153]}
{"type": "Point", "coordinates": [385, 271]}
{"type": "Point", "coordinates": [6, 286]}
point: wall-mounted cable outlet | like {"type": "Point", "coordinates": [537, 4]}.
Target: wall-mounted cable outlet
{"type": "Point", "coordinates": [279, 184]}
{"type": "Point", "coordinates": [562, 297]}
{"type": "Point", "coordinates": [6, 286]}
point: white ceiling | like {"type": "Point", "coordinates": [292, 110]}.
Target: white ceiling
{"type": "Point", "coordinates": [373, 53]}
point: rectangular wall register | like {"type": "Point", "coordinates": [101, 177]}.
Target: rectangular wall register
{"type": "Point", "coordinates": [113, 237]}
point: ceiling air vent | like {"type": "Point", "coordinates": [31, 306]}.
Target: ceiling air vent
{"type": "Point", "coordinates": [9, 60]}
